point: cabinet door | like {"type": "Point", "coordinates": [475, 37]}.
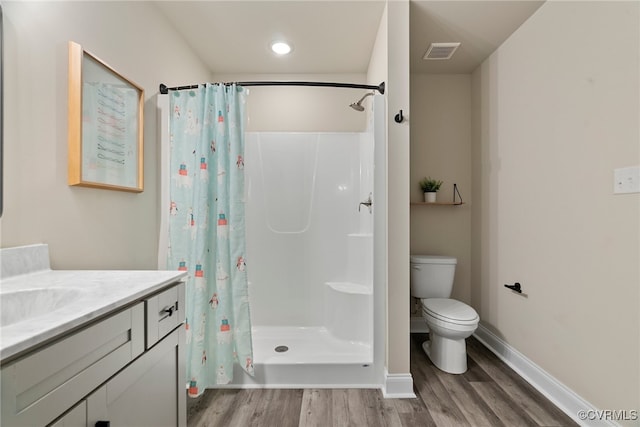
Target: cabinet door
{"type": "Point", "coordinates": [149, 392]}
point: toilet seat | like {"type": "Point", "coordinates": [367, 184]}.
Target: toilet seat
{"type": "Point", "coordinates": [432, 259]}
{"type": "Point", "coordinates": [450, 311]}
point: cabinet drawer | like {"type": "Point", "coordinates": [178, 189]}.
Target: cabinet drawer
{"type": "Point", "coordinates": [165, 311]}
{"type": "Point", "coordinates": [38, 387]}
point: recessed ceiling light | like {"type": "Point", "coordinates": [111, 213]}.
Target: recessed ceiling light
{"type": "Point", "coordinates": [280, 48]}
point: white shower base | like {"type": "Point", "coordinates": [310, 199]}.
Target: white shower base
{"type": "Point", "coordinates": [314, 359]}
{"type": "Point", "coordinates": [310, 345]}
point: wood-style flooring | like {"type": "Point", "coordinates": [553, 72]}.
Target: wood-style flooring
{"type": "Point", "coordinates": [488, 394]}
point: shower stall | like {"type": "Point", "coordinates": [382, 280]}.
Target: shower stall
{"type": "Point", "coordinates": [317, 317]}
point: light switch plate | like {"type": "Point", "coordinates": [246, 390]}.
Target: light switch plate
{"type": "Point", "coordinates": [626, 180]}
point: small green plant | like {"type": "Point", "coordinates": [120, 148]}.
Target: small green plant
{"type": "Point", "coordinates": [429, 185]}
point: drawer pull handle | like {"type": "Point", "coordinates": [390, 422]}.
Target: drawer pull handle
{"type": "Point", "coordinates": [103, 424]}
{"type": "Point", "coordinates": [168, 311]}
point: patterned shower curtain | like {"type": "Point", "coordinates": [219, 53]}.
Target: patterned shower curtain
{"type": "Point", "coordinates": [207, 230]}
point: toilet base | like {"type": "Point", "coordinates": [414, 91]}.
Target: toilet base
{"type": "Point", "coordinates": [446, 354]}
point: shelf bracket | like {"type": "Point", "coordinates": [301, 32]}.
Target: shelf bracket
{"type": "Point", "coordinates": [456, 191]}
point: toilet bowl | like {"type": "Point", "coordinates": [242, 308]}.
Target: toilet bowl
{"type": "Point", "coordinates": [449, 321]}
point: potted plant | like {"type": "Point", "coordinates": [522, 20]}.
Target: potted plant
{"type": "Point", "coordinates": [430, 187]}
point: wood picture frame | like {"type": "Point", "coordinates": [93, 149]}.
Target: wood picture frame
{"type": "Point", "coordinates": [105, 119]}
{"type": "Point", "coordinates": [1, 111]}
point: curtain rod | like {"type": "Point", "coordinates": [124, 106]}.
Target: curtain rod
{"type": "Point", "coordinates": [380, 88]}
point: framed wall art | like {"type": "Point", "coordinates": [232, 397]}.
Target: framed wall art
{"type": "Point", "coordinates": [105, 120]}
{"type": "Point", "coordinates": [1, 112]}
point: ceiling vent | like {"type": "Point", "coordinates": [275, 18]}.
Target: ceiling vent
{"type": "Point", "coordinates": [441, 51]}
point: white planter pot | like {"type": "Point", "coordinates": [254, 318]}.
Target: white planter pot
{"type": "Point", "coordinates": [430, 197]}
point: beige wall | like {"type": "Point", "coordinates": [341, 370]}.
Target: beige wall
{"type": "Point", "coordinates": [85, 228]}
{"type": "Point", "coordinates": [390, 63]}
{"type": "Point", "coordinates": [556, 109]}
{"type": "Point", "coordinates": [441, 148]}
{"type": "Point", "coordinates": [398, 98]}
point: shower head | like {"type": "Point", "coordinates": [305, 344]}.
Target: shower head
{"type": "Point", "coordinates": [358, 105]}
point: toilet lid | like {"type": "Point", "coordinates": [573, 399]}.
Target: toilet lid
{"type": "Point", "coordinates": [449, 310]}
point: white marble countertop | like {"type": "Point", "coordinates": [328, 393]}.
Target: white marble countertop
{"type": "Point", "coordinates": [93, 294]}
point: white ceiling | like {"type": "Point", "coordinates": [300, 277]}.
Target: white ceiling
{"type": "Point", "coordinates": [337, 36]}
{"type": "Point", "coordinates": [481, 27]}
{"type": "Point", "coordinates": [235, 36]}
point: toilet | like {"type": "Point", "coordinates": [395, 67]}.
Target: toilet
{"type": "Point", "coordinates": [449, 321]}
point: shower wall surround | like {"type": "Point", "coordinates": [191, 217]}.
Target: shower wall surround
{"type": "Point", "coordinates": [304, 226]}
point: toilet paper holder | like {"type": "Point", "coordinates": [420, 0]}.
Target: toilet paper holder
{"type": "Point", "coordinates": [515, 287]}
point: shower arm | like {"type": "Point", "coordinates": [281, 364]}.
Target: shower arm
{"type": "Point", "coordinates": [365, 95]}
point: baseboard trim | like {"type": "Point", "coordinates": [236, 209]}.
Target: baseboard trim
{"type": "Point", "coordinates": [562, 396]}
{"type": "Point", "coordinates": [397, 386]}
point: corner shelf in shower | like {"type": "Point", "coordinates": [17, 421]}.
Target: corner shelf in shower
{"type": "Point", "coordinates": [351, 288]}
{"type": "Point", "coordinates": [360, 235]}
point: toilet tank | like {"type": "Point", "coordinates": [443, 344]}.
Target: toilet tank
{"type": "Point", "coordinates": [432, 276]}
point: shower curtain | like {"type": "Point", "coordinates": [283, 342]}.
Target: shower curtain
{"type": "Point", "coordinates": [207, 230]}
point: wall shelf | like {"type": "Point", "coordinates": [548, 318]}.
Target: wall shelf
{"type": "Point", "coordinates": [437, 203]}
{"type": "Point", "coordinates": [457, 200]}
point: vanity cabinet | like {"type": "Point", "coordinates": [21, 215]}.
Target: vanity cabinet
{"type": "Point", "coordinates": [127, 369]}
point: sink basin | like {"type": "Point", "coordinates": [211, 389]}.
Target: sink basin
{"type": "Point", "coordinates": [17, 306]}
